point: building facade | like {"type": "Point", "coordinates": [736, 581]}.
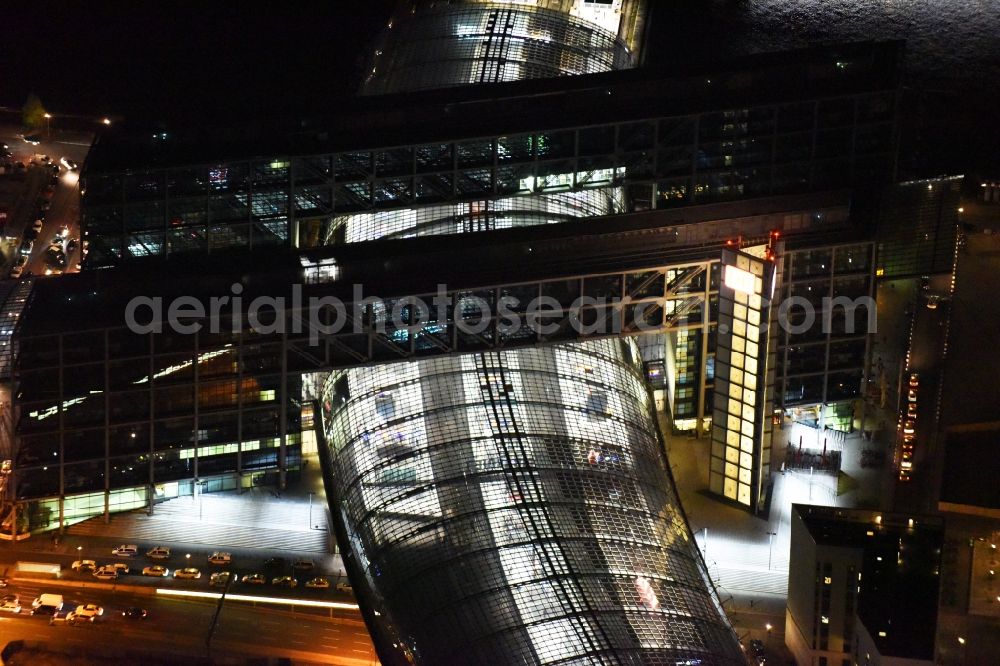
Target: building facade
{"type": "Point", "coordinates": [516, 507]}
{"type": "Point", "coordinates": [671, 143]}
{"type": "Point", "coordinates": [862, 587]}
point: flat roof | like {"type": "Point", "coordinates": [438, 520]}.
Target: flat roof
{"type": "Point", "coordinates": [972, 467]}
{"type": "Point", "coordinates": [367, 122]}
{"type": "Point", "coordinates": [899, 573]}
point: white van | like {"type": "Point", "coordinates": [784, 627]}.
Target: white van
{"type": "Point", "coordinates": [126, 550]}
{"type": "Point", "coordinates": [47, 600]}
{"type": "Point", "coordinates": [47, 604]}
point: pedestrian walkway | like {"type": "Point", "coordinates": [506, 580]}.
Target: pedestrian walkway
{"type": "Point", "coordinates": [222, 520]}
{"type": "Point", "coordinates": [262, 518]}
{"type": "Point", "coordinates": [750, 579]}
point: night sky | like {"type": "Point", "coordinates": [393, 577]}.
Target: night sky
{"type": "Point", "coordinates": [181, 60]}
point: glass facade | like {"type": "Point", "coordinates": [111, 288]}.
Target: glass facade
{"type": "Point", "coordinates": [443, 45]}
{"type": "Point", "coordinates": [918, 227]}
{"type": "Point", "coordinates": [510, 506]}
{"type": "Point", "coordinates": [821, 353]}
{"type": "Point", "coordinates": [516, 507]}
{"type": "Point", "coordinates": [105, 411]}
{"type": "Point", "coordinates": [478, 182]}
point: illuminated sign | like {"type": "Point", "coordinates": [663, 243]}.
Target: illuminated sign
{"type": "Point", "coordinates": [738, 279]}
{"type": "Point", "coordinates": [738, 420]}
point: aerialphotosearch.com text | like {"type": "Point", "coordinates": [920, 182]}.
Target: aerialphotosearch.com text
{"type": "Point", "coordinates": [319, 316]}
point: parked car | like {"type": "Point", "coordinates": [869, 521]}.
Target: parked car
{"type": "Point", "coordinates": [37, 225]}
{"type": "Point", "coordinates": [68, 163]}
{"type": "Point", "coordinates": [187, 572]}
{"type": "Point", "coordinates": [84, 565]}
{"type": "Point", "coordinates": [10, 603]}
{"type": "Point", "coordinates": [134, 613]}
{"type": "Point", "coordinates": [318, 583]}
{"type": "Point", "coordinates": [156, 570]}
{"type": "Point", "coordinates": [120, 567]}
{"type": "Point", "coordinates": [125, 550]}
{"type": "Point", "coordinates": [18, 269]}
{"type": "Point", "coordinates": [302, 565]}
{"type": "Point", "coordinates": [254, 579]}
{"type": "Point", "coordinates": [158, 553]}
{"type": "Point", "coordinates": [275, 563]}
{"type": "Point", "coordinates": [220, 558]}
{"type": "Point", "coordinates": [220, 578]}
{"type": "Point", "coordinates": [284, 581]}
{"type": "Point", "coordinates": [106, 574]}
{"type": "Point", "coordinates": [88, 612]}
{"type": "Point", "coordinates": [345, 586]}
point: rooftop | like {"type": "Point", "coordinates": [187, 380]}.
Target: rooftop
{"type": "Point", "coordinates": [511, 108]}
{"type": "Point", "coordinates": [899, 579]}
{"type": "Point", "coordinates": [972, 467]}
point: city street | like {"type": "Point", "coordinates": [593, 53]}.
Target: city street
{"type": "Point", "coordinates": [22, 196]}
{"type": "Point", "coordinates": [182, 626]}
{"type": "Point", "coordinates": [252, 526]}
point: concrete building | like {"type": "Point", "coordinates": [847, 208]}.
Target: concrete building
{"type": "Point", "coordinates": [862, 587]}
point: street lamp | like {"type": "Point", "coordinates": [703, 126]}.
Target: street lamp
{"type": "Point", "coordinates": [106, 121]}
{"type": "Point", "coordinates": [311, 510]}
{"type": "Point", "coordinates": [48, 132]}
{"type": "Point", "coordinates": [201, 502]}
{"type": "Point", "coordinates": [769, 627]}
{"type": "Point", "coordinates": [770, 542]}
{"type": "Point", "coordinates": [187, 556]}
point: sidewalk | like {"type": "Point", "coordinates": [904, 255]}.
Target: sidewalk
{"type": "Point", "coordinates": [258, 518]}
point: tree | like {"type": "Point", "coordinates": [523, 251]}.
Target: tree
{"type": "Point", "coordinates": [34, 112]}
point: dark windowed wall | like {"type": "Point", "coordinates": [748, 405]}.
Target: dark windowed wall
{"type": "Point", "coordinates": [515, 507]}
{"type": "Point", "coordinates": [918, 226]}
{"type": "Point", "coordinates": [821, 357]}
{"type": "Point", "coordinates": [815, 145]}
{"type": "Point", "coordinates": [111, 415]}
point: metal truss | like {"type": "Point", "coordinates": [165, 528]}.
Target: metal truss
{"type": "Point", "coordinates": [504, 316]}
